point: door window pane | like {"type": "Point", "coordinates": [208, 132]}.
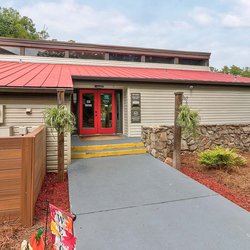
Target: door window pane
{"type": "Point", "coordinates": [106, 110]}
{"type": "Point", "coordinates": [88, 110]}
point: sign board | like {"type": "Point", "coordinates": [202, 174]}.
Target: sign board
{"type": "Point", "coordinates": [135, 108]}
{"type": "Point", "coordinates": [62, 229]}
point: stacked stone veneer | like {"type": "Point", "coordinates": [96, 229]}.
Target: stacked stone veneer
{"type": "Point", "coordinates": [160, 140]}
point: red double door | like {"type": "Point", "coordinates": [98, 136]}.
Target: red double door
{"type": "Point", "coordinates": [96, 112]}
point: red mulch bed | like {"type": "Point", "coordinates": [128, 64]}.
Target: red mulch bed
{"type": "Point", "coordinates": [234, 186]}
{"type": "Point", "coordinates": [12, 234]}
{"type": "Point", "coordinates": [54, 192]}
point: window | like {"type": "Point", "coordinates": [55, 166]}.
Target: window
{"type": "Point", "coordinates": [186, 61]}
{"type": "Point", "coordinates": [44, 52]}
{"type": "Point", "coordinates": [124, 57]}
{"type": "Point", "coordinates": [31, 52]}
{"type": "Point", "coordinates": [159, 59]}
{"type": "Point", "coordinates": [7, 50]}
{"type": "Point", "coordinates": [87, 55]}
{"type": "Point", "coordinates": [51, 53]}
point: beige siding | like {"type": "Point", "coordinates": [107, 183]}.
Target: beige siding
{"type": "Point", "coordinates": [216, 104]}
{"type": "Point", "coordinates": [15, 115]}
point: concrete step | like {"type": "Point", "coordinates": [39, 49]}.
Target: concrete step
{"type": "Point", "coordinates": [107, 146]}
{"type": "Point", "coordinates": [104, 153]}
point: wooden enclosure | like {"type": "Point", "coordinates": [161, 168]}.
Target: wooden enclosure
{"type": "Point", "coordinates": [22, 170]}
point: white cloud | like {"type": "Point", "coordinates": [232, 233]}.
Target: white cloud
{"type": "Point", "coordinates": [231, 20]}
{"type": "Point", "coordinates": [238, 16]}
{"type": "Point", "coordinates": [202, 16]}
{"type": "Point", "coordinates": [182, 25]}
{"type": "Point", "coordinates": [69, 19]}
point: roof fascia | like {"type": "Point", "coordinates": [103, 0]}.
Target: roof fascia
{"type": "Point", "coordinates": [153, 80]}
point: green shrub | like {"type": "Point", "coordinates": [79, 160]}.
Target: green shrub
{"type": "Point", "coordinates": [221, 158]}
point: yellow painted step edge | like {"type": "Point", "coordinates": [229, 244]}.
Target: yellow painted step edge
{"type": "Point", "coordinates": [109, 153]}
{"type": "Point", "coordinates": [109, 146]}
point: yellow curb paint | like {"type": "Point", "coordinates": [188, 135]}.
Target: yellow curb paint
{"type": "Point", "coordinates": [109, 146]}
{"type": "Point", "coordinates": [108, 153]}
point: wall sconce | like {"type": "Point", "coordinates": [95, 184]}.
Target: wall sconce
{"type": "Point", "coordinates": [74, 98]}
{"type": "Point", "coordinates": [28, 111]}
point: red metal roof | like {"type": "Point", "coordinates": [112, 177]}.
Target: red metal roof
{"type": "Point", "coordinates": [42, 75]}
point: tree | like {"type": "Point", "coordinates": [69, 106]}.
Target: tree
{"type": "Point", "coordinates": [225, 70]}
{"type": "Point", "coordinates": [63, 121]}
{"type": "Point", "coordinates": [246, 72]}
{"type": "Point", "coordinates": [213, 69]}
{"type": "Point", "coordinates": [233, 70]}
{"type": "Point", "coordinates": [12, 24]}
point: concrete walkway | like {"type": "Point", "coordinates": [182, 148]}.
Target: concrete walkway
{"type": "Point", "coordinates": [137, 202]}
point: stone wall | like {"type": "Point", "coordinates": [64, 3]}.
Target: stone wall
{"type": "Point", "coordinates": [159, 140]}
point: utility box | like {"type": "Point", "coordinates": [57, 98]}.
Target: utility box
{"type": "Point", "coordinates": [6, 131]}
{"type": "Point", "coordinates": [22, 130]}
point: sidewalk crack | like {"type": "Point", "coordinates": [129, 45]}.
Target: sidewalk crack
{"type": "Point", "coordinates": [147, 204]}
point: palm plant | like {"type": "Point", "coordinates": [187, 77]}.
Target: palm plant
{"type": "Point", "coordinates": [62, 121]}
{"type": "Point", "coordinates": [189, 121]}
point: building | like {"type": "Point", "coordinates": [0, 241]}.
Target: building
{"type": "Point", "coordinates": [111, 89]}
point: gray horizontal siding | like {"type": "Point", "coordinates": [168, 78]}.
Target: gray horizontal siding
{"type": "Point", "coordinates": [218, 105]}
{"type": "Point", "coordinates": [15, 115]}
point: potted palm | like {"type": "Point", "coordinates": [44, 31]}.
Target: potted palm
{"type": "Point", "coordinates": [62, 121]}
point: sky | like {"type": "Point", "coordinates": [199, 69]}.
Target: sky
{"type": "Point", "coordinates": [221, 27]}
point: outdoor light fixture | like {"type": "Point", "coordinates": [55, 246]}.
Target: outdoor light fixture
{"type": "Point", "coordinates": [191, 87]}
{"type": "Point", "coordinates": [74, 98]}
{"type": "Point", "coordinates": [28, 111]}
{"type": "Point", "coordinates": [99, 86]}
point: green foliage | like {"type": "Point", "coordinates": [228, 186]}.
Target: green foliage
{"type": "Point", "coordinates": [246, 72]}
{"type": "Point", "coordinates": [221, 158]}
{"type": "Point", "coordinates": [39, 234]}
{"type": "Point", "coordinates": [213, 69]}
{"type": "Point", "coordinates": [233, 70]}
{"type": "Point", "coordinates": [188, 120]}
{"type": "Point", "coordinates": [12, 24]}
{"type": "Point", "coordinates": [60, 119]}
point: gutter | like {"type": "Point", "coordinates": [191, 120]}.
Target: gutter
{"type": "Point", "coordinates": [155, 80]}
{"type": "Point", "coordinates": [34, 90]}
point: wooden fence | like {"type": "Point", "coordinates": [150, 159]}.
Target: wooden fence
{"type": "Point", "coordinates": [22, 170]}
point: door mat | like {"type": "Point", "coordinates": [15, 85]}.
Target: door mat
{"type": "Point", "coordinates": [101, 137]}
